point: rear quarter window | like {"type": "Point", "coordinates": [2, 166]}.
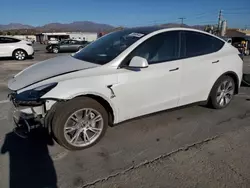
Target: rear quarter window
{"type": "Point", "coordinates": [8, 40]}
{"type": "Point", "coordinates": [197, 44]}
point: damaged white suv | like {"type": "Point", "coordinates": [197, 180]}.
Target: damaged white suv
{"type": "Point", "coordinates": [123, 75]}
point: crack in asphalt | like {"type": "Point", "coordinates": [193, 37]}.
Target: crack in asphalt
{"type": "Point", "coordinates": [235, 172]}
{"type": "Point", "coordinates": [186, 148]}
{"type": "Point", "coordinates": [241, 116]}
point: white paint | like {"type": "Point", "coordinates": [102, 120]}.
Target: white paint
{"type": "Point", "coordinates": [7, 49]}
{"type": "Point", "coordinates": [146, 90]}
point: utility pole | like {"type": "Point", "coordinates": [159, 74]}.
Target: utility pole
{"type": "Point", "coordinates": [219, 21]}
{"type": "Point", "coordinates": [182, 18]}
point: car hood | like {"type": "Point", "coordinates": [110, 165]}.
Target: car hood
{"type": "Point", "coordinates": [47, 69]}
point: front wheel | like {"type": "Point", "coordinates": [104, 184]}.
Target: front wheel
{"type": "Point", "coordinates": [55, 50]}
{"type": "Point", "coordinates": [80, 123]}
{"type": "Point", "coordinates": [222, 92]}
{"type": "Point", "coordinates": [80, 48]}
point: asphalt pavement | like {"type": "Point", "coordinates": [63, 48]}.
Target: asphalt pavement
{"type": "Point", "coordinates": [192, 146]}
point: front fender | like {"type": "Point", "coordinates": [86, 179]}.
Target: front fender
{"type": "Point", "coordinates": [69, 89]}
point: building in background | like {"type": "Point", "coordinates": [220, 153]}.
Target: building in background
{"type": "Point", "coordinates": [86, 36]}
{"type": "Point", "coordinates": [45, 37]}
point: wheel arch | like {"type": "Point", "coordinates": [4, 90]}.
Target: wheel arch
{"type": "Point", "coordinates": [234, 76]}
{"type": "Point", "coordinates": [56, 46]}
{"type": "Point", "coordinates": [19, 49]}
{"type": "Point", "coordinates": [104, 102]}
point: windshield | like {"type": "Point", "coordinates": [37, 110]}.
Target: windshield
{"type": "Point", "coordinates": [108, 47]}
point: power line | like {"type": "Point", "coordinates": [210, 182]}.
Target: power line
{"type": "Point", "coordinates": [182, 18]}
{"type": "Point", "coordinates": [237, 13]}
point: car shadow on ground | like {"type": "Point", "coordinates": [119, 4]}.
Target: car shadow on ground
{"type": "Point", "coordinates": [30, 164]}
{"type": "Point", "coordinates": [12, 59]}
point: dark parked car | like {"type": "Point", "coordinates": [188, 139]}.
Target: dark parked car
{"type": "Point", "coordinates": [66, 46]}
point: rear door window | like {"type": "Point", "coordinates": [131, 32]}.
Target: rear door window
{"type": "Point", "coordinates": [196, 44]}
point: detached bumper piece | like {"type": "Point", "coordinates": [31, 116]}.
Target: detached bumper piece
{"type": "Point", "coordinates": [24, 125]}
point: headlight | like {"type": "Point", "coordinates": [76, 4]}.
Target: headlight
{"type": "Point", "coordinates": [36, 93]}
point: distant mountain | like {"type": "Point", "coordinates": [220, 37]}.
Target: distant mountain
{"type": "Point", "coordinates": [171, 25]}
{"type": "Point", "coordinates": [200, 27]}
{"type": "Point", "coordinates": [75, 26]}
{"type": "Point", "coordinates": [15, 26]}
{"type": "Point", "coordinates": [80, 26]}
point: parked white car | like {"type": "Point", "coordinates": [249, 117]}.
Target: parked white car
{"type": "Point", "coordinates": [18, 49]}
{"type": "Point", "coordinates": [123, 75]}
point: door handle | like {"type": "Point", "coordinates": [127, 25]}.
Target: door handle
{"type": "Point", "coordinates": [174, 69]}
{"type": "Point", "coordinates": [216, 61]}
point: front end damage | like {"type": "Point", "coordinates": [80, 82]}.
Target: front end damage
{"type": "Point", "coordinates": [30, 113]}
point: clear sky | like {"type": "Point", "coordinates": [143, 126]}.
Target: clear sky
{"type": "Point", "coordinates": [125, 12]}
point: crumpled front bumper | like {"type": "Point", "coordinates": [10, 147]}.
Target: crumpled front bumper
{"type": "Point", "coordinates": [28, 114]}
{"type": "Point", "coordinates": [35, 107]}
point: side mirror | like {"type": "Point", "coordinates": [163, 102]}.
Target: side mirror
{"type": "Point", "coordinates": [138, 62]}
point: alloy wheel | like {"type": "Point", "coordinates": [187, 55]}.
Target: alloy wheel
{"type": "Point", "coordinates": [225, 93]}
{"type": "Point", "coordinates": [20, 55]}
{"type": "Point", "coordinates": [83, 127]}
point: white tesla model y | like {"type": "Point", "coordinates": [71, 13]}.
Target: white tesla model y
{"type": "Point", "coordinates": [123, 75]}
{"type": "Point", "coordinates": [18, 49]}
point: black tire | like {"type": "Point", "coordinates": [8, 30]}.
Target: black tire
{"type": "Point", "coordinates": [213, 95]}
{"type": "Point", "coordinates": [66, 110]}
{"type": "Point", "coordinates": [19, 55]}
{"type": "Point", "coordinates": [55, 50]}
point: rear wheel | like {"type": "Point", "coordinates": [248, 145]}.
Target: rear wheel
{"type": "Point", "coordinates": [222, 92]}
{"type": "Point", "coordinates": [80, 123]}
{"type": "Point", "coordinates": [19, 55]}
